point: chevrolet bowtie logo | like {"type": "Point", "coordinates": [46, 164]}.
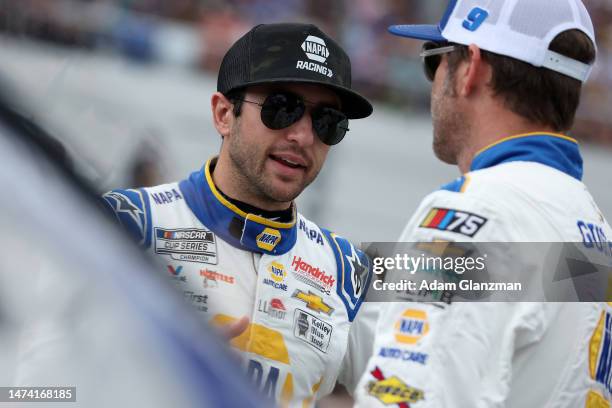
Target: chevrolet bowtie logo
{"type": "Point", "coordinates": [313, 302]}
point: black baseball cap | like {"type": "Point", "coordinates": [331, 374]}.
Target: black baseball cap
{"type": "Point", "coordinates": [297, 53]}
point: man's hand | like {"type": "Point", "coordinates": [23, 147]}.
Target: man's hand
{"type": "Point", "coordinates": [234, 329]}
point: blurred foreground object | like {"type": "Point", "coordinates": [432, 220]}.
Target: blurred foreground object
{"type": "Point", "coordinates": [80, 307]}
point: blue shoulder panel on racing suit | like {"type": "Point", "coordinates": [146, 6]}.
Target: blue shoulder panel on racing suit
{"type": "Point", "coordinates": [455, 185]}
{"type": "Point", "coordinates": [354, 272]}
{"type": "Point", "coordinates": [133, 210]}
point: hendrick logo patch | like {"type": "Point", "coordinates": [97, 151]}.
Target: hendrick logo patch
{"type": "Point", "coordinates": [312, 275]}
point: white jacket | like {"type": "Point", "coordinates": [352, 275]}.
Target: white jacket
{"type": "Point", "coordinates": [525, 188]}
{"type": "Point", "coordinates": [300, 285]}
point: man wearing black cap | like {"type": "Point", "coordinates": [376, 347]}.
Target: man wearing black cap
{"type": "Point", "coordinates": [230, 234]}
{"type": "Point", "coordinates": [506, 77]}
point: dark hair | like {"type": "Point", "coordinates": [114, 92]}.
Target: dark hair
{"type": "Point", "coordinates": [236, 97]}
{"type": "Point", "coordinates": [537, 94]}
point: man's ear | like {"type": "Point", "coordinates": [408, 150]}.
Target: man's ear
{"type": "Point", "coordinates": [222, 113]}
{"type": "Point", "coordinates": [476, 75]}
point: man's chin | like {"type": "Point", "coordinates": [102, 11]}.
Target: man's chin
{"type": "Point", "coordinates": [446, 158]}
{"type": "Point", "coordinates": [444, 153]}
{"type": "Point", "coordinates": [283, 192]}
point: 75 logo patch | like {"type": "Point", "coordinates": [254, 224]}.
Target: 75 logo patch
{"type": "Point", "coordinates": [461, 222]}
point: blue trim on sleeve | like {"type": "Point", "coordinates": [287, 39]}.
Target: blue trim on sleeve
{"type": "Point", "coordinates": [354, 271]}
{"type": "Point", "coordinates": [149, 229]}
{"type": "Point", "coordinates": [132, 209]}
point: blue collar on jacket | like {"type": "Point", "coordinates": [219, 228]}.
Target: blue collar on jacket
{"type": "Point", "coordinates": [249, 232]}
{"type": "Point", "coordinates": [557, 151]}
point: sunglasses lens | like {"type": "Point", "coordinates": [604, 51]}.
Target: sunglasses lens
{"type": "Point", "coordinates": [329, 124]}
{"type": "Point", "coordinates": [431, 62]}
{"type": "Point", "coordinates": [431, 65]}
{"type": "Point", "coordinates": [281, 110]}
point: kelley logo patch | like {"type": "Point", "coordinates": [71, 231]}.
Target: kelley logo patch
{"type": "Point", "coordinates": [312, 330]}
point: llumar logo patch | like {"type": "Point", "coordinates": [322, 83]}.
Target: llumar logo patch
{"type": "Point", "coordinates": [393, 390]}
{"type": "Point", "coordinates": [268, 239]}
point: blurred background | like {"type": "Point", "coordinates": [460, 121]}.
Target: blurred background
{"type": "Point", "coordinates": [126, 86]}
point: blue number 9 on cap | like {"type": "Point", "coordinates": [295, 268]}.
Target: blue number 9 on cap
{"type": "Point", "coordinates": [476, 17]}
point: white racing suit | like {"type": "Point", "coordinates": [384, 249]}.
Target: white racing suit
{"type": "Point", "coordinates": [526, 188]}
{"type": "Point", "coordinates": [301, 286]}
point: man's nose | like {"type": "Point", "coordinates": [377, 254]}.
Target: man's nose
{"type": "Point", "coordinates": [301, 131]}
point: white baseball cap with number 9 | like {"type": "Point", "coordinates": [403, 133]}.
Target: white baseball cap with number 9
{"type": "Point", "coordinates": [521, 29]}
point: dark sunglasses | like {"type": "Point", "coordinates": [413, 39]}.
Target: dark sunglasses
{"type": "Point", "coordinates": [282, 109]}
{"type": "Point", "coordinates": [431, 55]}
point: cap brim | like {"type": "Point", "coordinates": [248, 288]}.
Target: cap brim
{"type": "Point", "coordinates": [420, 32]}
{"type": "Point", "coordinates": [354, 106]}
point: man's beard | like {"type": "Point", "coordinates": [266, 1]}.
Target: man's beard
{"type": "Point", "coordinates": [449, 125]}
{"type": "Point", "coordinates": [250, 165]}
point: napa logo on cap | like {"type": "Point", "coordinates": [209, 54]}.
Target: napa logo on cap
{"type": "Point", "coordinates": [412, 326]}
{"type": "Point", "coordinates": [268, 239]}
{"type": "Point", "coordinates": [317, 53]}
{"type": "Point", "coordinates": [315, 49]}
